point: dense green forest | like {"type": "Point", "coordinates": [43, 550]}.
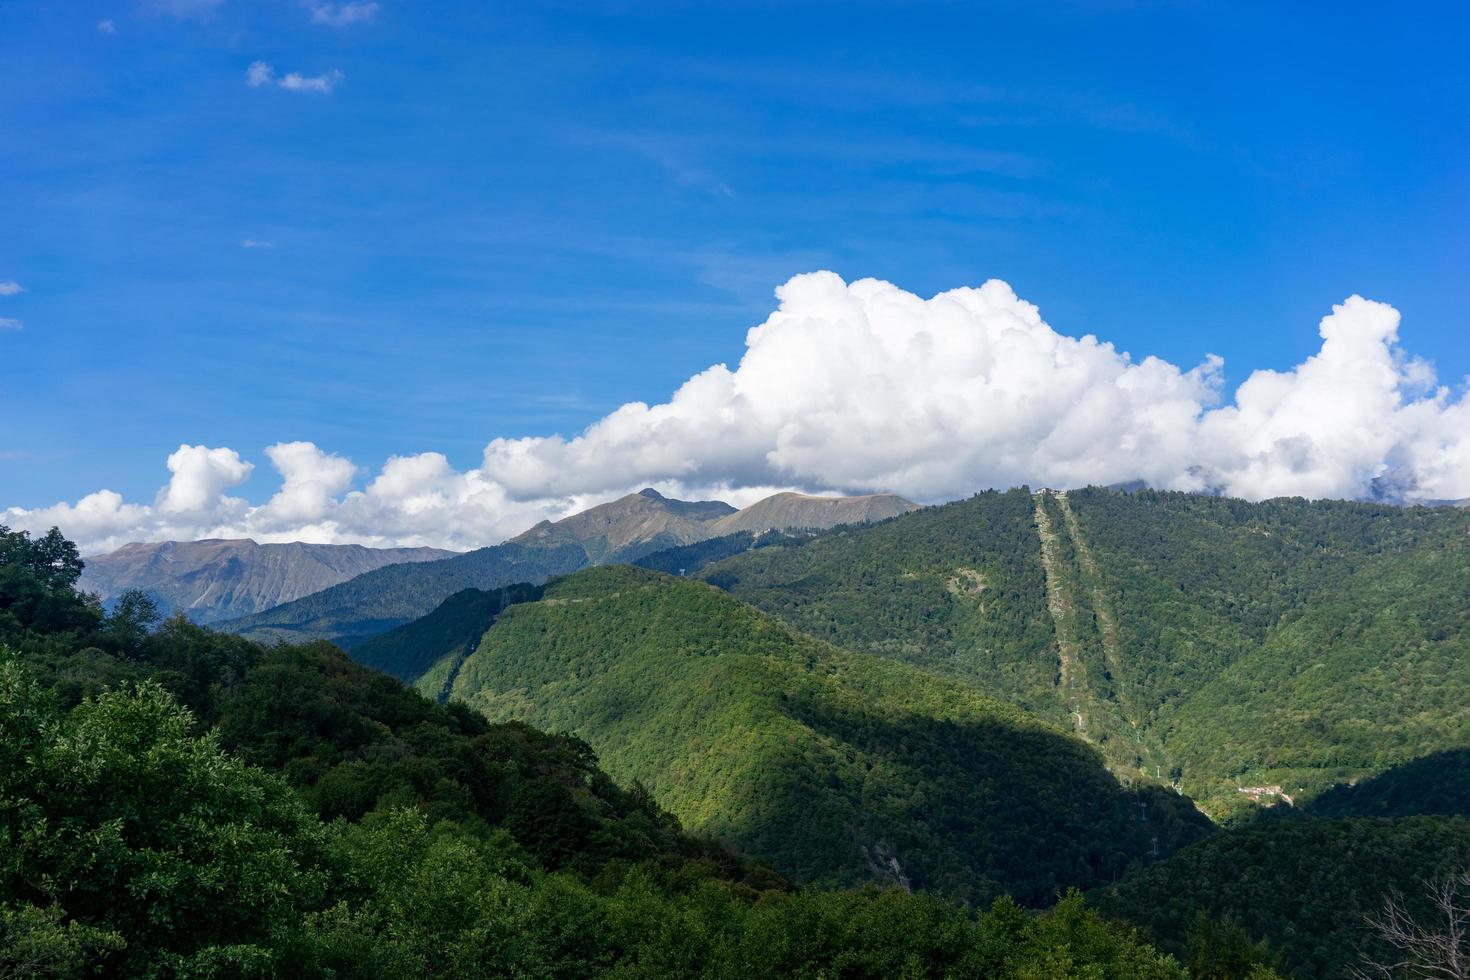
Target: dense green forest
{"type": "Point", "coordinates": [1285, 646]}
{"type": "Point", "coordinates": [959, 590]}
{"type": "Point", "coordinates": [836, 767]}
{"type": "Point", "coordinates": [1438, 783]}
{"type": "Point", "coordinates": [1302, 886]}
{"type": "Point", "coordinates": [1287, 643]}
{"type": "Point", "coordinates": [177, 802]}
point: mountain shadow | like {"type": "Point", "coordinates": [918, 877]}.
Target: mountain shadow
{"type": "Point", "coordinates": [1438, 783]}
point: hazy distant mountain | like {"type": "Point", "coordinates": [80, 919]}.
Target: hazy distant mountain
{"type": "Point", "coordinates": [620, 531]}
{"type": "Point", "coordinates": [220, 579]}
{"type": "Point", "coordinates": [784, 511]}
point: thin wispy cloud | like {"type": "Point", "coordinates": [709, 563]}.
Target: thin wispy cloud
{"type": "Point", "coordinates": [10, 324]}
{"type": "Point", "coordinates": [342, 14]}
{"type": "Point", "coordinates": [261, 75]}
{"type": "Point", "coordinates": [257, 243]}
{"type": "Point", "coordinates": [10, 288]}
{"type": "Point", "coordinates": [106, 27]}
{"type": "Point", "coordinates": [676, 156]}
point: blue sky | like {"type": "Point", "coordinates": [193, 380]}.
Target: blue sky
{"type": "Point", "coordinates": [507, 220]}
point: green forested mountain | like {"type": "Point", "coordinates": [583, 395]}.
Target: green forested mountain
{"type": "Point", "coordinates": [1275, 647]}
{"type": "Point", "coordinates": [958, 589]}
{"type": "Point", "coordinates": [1288, 643]}
{"type": "Point", "coordinates": [836, 767]}
{"type": "Point", "coordinates": [176, 802]}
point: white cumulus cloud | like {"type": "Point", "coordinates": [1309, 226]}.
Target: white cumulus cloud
{"type": "Point", "coordinates": [862, 386]}
{"type": "Point", "coordinates": [11, 288]}
{"type": "Point", "coordinates": [200, 477]}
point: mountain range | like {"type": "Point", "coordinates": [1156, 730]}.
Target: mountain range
{"type": "Point", "coordinates": [1275, 691]}
{"type": "Point", "coordinates": [1234, 724]}
{"type": "Point", "coordinates": [1235, 651]}
{"type": "Point", "coordinates": [622, 530]}
{"type": "Point", "coordinates": [218, 579]}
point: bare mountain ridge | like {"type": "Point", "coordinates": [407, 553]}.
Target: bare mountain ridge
{"type": "Point", "coordinates": [643, 520]}
{"type": "Point", "coordinates": [219, 578]}
{"type": "Point", "coordinates": [640, 523]}
{"type": "Point", "coordinates": [788, 511]}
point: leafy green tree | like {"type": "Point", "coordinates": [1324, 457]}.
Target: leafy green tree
{"type": "Point", "coordinates": [38, 942]}
{"type": "Point", "coordinates": [36, 585]}
{"type": "Point", "coordinates": [131, 621]}
{"type": "Point", "coordinates": [118, 816]}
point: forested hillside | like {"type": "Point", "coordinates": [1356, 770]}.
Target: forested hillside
{"type": "Point", "coordinates": [1287, 643]}
{"type": "Point", "coordinates": [689, 559]}
{"type": "Point", "coordinates": [1438, 783]}
{"type": "Point", "coordinates": [176, 802]}
{"type": "Point", "coordinates": [1303, 886]}
{"type": "Point", "coordinates": [1275, 647]}
{"type": "Point", "coordinates": [959, 590]}
{"type": "Point", "coordinates": [427, 651]}
{"type": "Point", "coordinates": [836, 767]}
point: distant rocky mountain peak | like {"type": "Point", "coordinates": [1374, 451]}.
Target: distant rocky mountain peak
{"type": "Point", "coordinates": [621, 531]}
{"type": "Point", "coordinates": [786, 511]}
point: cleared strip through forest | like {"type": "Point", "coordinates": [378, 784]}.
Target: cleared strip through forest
{"type": "Point", "coordinates": [1063, 615]}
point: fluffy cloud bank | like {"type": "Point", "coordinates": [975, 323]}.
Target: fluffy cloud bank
{"type": "Point", "coordinates": [855, 387]}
